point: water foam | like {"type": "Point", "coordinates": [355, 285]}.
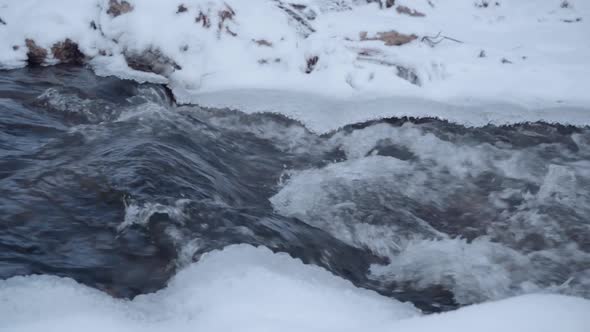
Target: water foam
{"type": "Point", "coordinates": [504, 217]}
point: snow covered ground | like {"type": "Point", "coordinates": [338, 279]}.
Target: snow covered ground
{"type": "Point", "coordinates": [329, 62]}
{"type": "Point", "coordinates": [243, 288]}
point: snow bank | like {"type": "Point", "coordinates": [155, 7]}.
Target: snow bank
{"type": "Point", "coordinates": [334, 62]}
{"type": "Point", "coordinates": [251, 289]}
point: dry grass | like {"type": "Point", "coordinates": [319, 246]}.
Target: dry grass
{"type": "Point", "coordinates": [117, 8]}
{"type": "Point", "coordinates": [67, 52]}
{"type": "Point", "coordinates": [408, 11]}
{"type": "Point", "coordinates": [390, 38]}
{"type": "Point", "coordinates": [36, 55]}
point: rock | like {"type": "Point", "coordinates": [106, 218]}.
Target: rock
{"type": "Point", "coordinates": [36, 55]}
{"type": "Point", "coordinates": [409, 11]}
{"type": "Point", "coordinates": [2, 21]}
{"type": "Point", "coordinates": [68, 52]}
{"type": "Point", "coordinates": [151, 61]}
{"type": "Point", "coordinates": [117, 8]}
{"type": "Point", "coordinates": [390, 38]}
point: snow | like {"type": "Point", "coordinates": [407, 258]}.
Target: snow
{"type": "Point", "coordinates": [252, 289]}
{"type": "Point", "coordinates": [545, 67]}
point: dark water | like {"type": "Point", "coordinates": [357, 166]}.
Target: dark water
{"type": "Point", "coordinates": [107, 182]}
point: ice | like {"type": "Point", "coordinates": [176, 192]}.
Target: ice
{"type": "Point", "coordinates": [252, 289]}
{"type": "Point", "coordinates": [534, 59]}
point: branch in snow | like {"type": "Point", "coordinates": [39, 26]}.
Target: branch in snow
{"type": "Point", "coordinates": [435, 40]}
{"type": "Point", "coordinates": [302, 21]}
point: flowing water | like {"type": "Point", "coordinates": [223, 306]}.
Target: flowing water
{"type": "Point", "coordinates": [108, 182]}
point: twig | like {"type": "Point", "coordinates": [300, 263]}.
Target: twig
{"type": "Point", "coordinates": [435, 40]}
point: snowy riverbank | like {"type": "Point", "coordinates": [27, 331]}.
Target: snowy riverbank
{"type": "Point", "coordinates": [527, 56]}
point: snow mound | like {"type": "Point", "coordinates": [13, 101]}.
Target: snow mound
{"type": "Point", "coordinates": [251, 289]}
{"type": "Point", "coordinates": [326, 56]}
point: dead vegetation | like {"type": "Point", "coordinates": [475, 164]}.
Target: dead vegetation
{"type": "Point", "coordinates": [181, 9]}
{"type": "Point", "coordinates": [117, 8]}
{"type": "Point", "coordinates": [486, 4]}
{"type": "Point", "coordinates": [384, 3]}
{"type": "Point", "coordinates": [575, 20]}
{"type": "Point", "coordinates": [67, 52]}
{"type": "Point", "coordinates": [306, 11]}
{"type": "Point", "coordinates": [204, 20]}
{"type": "Point", "coordinates": [432, 41]}
{"type": "Point", "coordinates": [267, 61]}
{"type": "Point", "coordinates": [390, 38]}
{"type": "Point", "coordinates": [408, 11]}
{"type": "Point", "coordinates": [226, 14]}
{"type": "Point", "coordinates": [262, 42]}
{"type": "Point", "coordinates": [304, 26]}
{"type": "Point", "coordinates": [36, 55]}
{"type": "Point", "coordinates": [311, 61]}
